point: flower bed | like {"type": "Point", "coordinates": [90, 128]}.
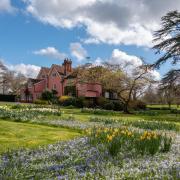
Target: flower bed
{"type": "Point", "coordinates": [111, 149]}
{"type": "Point", "coordinates": [121, 139]}
{"type": "Point", "coordinates": [78, 159]}
{"type": "Point", "coordinates": [27, 114]}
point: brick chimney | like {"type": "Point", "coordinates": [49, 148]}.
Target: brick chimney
{"type": "Point", "coordinates": [67, 66]}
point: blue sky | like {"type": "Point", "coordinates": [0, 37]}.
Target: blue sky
{"type": "Point", "coordinates": [32, 33]}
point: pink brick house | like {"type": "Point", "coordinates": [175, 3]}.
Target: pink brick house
{"type": "Point", "coordinates": [61, 79]}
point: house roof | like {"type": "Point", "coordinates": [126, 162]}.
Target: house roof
{"type": "Point", "coordinates": [60, 69]}
{"type": "Point", "coordinates": [33, 81]}
{"type": "Point", "coordinates": [46, 69]}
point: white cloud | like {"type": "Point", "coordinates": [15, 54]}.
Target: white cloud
{"type": "Point", "coordinates": [130, 62]}
{"type": "Point", "coordinates": [90, 41]}
{"type": "Point", "coordinates": [51, 52]}
{"type": "Point", "coordinates": [122, 58]}
{"type": "Point", "coordinates": [29, 70]}
{"type": "Point", "coordinates": [155, 74]}
{"type": "Point", "coordinates": [78, 51]}
{"type": "Point", "coordinates": [5, 6]}
{"type": "Point", "coordinates": [106, 21]}
{"type": "Point", "coordinates": [98, 62]}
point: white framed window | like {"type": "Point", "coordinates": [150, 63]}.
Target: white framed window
{"type": "Point", "coordinates": [106, 94]}
{"type": "Point", "coordinates": [54, 86]}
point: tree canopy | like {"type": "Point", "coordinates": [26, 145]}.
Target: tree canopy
{"type": "Point", "coordinates": [167, 39]}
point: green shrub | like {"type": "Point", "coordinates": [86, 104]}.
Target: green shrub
{"type": "Point", "coordinates": [158, 108]}
{"type": "Point", "coordinates": [165, 108]}
{"type": "Point", "coordinates": [41, 102]}
{"type": "Point", "coordinates": [67, 101]}
{"type": "Point", "coordinates": [88, 103]}
{"type": "Point", "coordinates": [175, 111]}
{"type": "Point", "coordinates": [109, 106]}
{"type": "Point", "coordinates": [80, 102]}
{"type": "Point", "coordinates": [137, 105]}
{"type": "Point", "coordinates": [118, 106]}
{"type": "Point", "coordinates": [47, 95]}
{"type": "Point", "coordinates": [101, 101]}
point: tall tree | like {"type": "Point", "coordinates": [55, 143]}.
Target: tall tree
{"type": "Point", "coordinates": [170, 84]}
{"type": "Point", "coordinates": [167, 39]}
{"type": "Point", "coordinates": [133, 85]}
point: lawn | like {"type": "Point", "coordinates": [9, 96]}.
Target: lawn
{"type": "Point", "coordinates": [151, 115]}
{"type": "Point", "coordinates": [15, 135]}
{"type": "Point", "coordinates": [87, 143]}
{"type": "Point", "coordinates": [163, 106]}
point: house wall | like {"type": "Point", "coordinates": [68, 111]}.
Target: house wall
{"type": "Point", "coordinates": [55, 82]}
{"type": "Point", "coordinates": [38, 88]}
{"type": "Point", "coordinates": [89, 90]}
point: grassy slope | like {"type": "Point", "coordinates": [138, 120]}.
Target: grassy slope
{"type": "Point", "coordinates": [14, 135]}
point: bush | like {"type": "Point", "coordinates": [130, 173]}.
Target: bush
{"type": "Point", "coordinates": [137, 105]}
{"type": "Point", "coordinates": [80, 102]}
{"type": "Point", "coordinates": [47, 95]}
{"type": "Point", "coordinates": [88, 103]}
{"type": "Point", "coordinates": [175, 111]}
{"type": "Point", "coordinates": [41, 102]}
{"type": "Point", "coordinates": [118, 106]}
{"type": "Point", "coordinates": [109, 106]}
{"type": "Point", "coordinates": [101, 101]}
{"type": "Point", "coordinates": [67, 101]}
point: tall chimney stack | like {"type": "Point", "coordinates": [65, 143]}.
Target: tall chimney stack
{"type": "Point", "coordinates": [67, 66]}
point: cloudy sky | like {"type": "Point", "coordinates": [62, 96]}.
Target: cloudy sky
{"type": "Point", "coordinates": [36, 33]}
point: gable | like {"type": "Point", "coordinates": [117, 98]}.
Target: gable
{"type": "Point", "coordinates": [53, 73]}
{"type": "Point", "coordinates": [43, 73]}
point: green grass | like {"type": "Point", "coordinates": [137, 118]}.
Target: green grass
{"type": "Point", "coordinates": [162, 106]}
{"type": "Point", "coordinates": [162, 115]}
{"type": "Point", "coordinates": [15, 135]}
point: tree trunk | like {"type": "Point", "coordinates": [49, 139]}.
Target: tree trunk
{"type": "Point", "coordinates": [169, 103]}
{"type": "Point", "coordinates": [126, 110]}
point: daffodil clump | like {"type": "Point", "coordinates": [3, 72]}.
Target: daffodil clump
{"type": "Point", "coordinates": [123, 139]}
